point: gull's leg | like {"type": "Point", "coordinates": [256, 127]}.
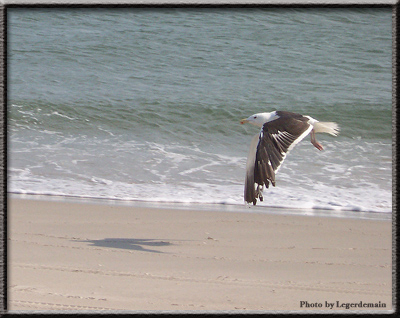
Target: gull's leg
{"type": "Point", "coordinates": [260, 195]}
{"type": "Point", "coordinates": [314, 141]}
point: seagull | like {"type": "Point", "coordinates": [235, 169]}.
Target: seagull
{"type": "Point", "coordinates": [280, 132]}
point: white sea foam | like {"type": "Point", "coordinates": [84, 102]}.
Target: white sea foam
{"type": "Point", "coordinates": [155, 172]}
{"type": "Point", "coordinates": [62, 115]}
{"type": "Point", "coordinates": [322, 197]}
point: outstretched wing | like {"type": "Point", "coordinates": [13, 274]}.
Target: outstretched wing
{"type": "Point", "coordinates": [276, 139]}
{"type": "Point", "coordinates": [249, 190]}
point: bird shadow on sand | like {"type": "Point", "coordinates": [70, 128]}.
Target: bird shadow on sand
{"type": "Point", "coordinates": [129, 244]}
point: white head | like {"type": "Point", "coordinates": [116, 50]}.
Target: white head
{"type": "Point", "coordinates": [259, 119]}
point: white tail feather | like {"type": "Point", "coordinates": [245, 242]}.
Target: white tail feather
{"type": "Point", "coordinates": [326, 127]}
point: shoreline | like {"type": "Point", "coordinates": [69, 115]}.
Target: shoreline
{"type": "Point", "coordinates": [79, 256]}
{"type": "Point", "coordinates": [319, 212]}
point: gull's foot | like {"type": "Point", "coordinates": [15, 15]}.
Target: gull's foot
{"type": "Point", "coordinates": [317, 145]}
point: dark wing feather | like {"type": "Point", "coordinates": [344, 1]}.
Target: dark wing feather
{"type": "Point", "coordinates": [276, 139]}
{"type": "Point", "coordinates": [249, 191]}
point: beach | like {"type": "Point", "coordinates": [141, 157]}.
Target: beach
{"type": "Point", "coordinates": [85, 256]}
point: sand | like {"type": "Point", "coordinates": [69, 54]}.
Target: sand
{"type": "Point", "coordinates": [79, 256]}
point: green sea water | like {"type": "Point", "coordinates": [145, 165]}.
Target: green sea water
{"type": "Point", "coordinates": [145, 104]}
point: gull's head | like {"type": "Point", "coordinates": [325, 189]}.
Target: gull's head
{"type": "Point", "coordinates": [259, 119]}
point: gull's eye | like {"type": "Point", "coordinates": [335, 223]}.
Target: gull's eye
{"type": "Point", "coordinates": [255, 117]}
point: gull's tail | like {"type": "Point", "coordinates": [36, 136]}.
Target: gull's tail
{"type": "Point", "coordinates": [326, 127]}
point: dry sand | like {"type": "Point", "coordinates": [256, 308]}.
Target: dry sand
{"type": "Point", "coordinates": [90, 257]}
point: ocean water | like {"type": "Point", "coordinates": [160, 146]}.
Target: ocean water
{"type": "Point", "coordinates": [144, 104]}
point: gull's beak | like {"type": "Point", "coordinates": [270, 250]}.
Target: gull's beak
{"type": "Point", "coordinates": [243, 121]}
